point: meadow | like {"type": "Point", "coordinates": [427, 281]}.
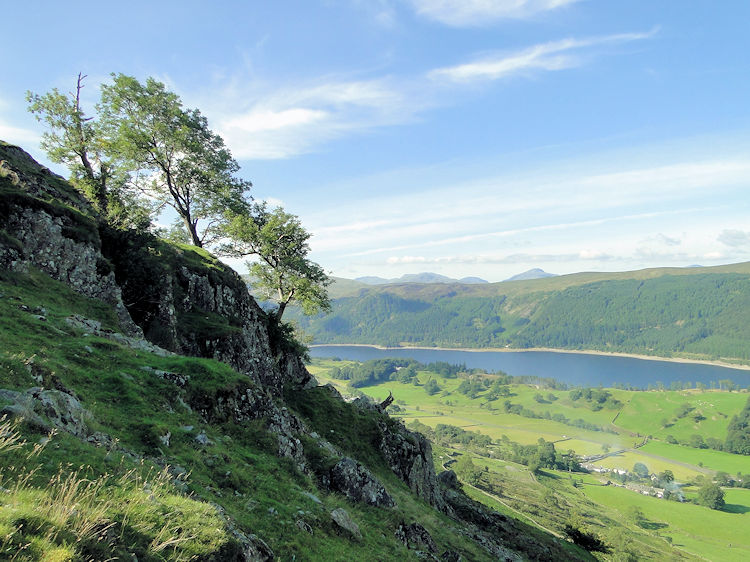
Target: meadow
{"type": "Point", "coordinates": [551, 499]}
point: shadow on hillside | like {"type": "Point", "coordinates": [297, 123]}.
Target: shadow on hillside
{"type": "Point", "coordinates": [651, 525]}
{"type": "Point", "coordinates": [735, 508]}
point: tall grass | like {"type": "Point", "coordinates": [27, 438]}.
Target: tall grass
{"type": "Point", "coordinates": [73, 516]}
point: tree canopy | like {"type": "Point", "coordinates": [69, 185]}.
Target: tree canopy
{"type": "Point", "coordinates": [177, 161]}
{"type": "Point", "coordinates": [78, 141]}
{"type": "Point", "coordinates": [711, 495]}
{"type": "Point", "coordinates": [282, 272]}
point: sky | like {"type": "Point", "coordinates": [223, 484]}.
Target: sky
{"type": "Point", "coordinates": [463, 137]}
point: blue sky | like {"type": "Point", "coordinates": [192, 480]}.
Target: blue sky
{"type": "Point", "coordinates": [464, 137]}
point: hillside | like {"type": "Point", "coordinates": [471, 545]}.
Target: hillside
{"type": "Point", "coordinates": [152, 411]}
{"type": "Point", "coordinates": [488, 428]}
{"type": "Point", "coordinates": [690, 312]}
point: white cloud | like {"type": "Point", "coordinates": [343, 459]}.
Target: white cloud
{"type": "Point", "coordinates": [266, 120]}
{"type": "Point", "coordinates": [261, 121]}
{"type": "Point", "coordinates": [555, 55]}
{"type": "Point", "coordinates": [284, 122]}
{"type": "Point", "coordinates": [735, 238]}
{"type": "Point", "coordinates": [460, 13]}
{"type": "Point", "coordinates": [482, 259]}
{"type": "Point", "coordinates": [18, 135]}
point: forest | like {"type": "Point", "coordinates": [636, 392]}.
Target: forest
{"type": "Point", "coordinates": [700, 315]}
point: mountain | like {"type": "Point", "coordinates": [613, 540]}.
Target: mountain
{"type": "Point", "coordinates": [372, 280]}
{"type": "Point", "coordinates": [535, 273]}
{"type": "Point", "coordinates": [150, 410]}
{"type": "Point", "coordinates": [699, 313]}
{"type": "Point", "coordinates": [418, 278]}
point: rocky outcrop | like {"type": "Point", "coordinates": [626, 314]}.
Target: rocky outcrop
{"type": "Point", "coordinates": [190, 303]}
{"type": "Point", "coordinates": [409, 455]}
{"type": "Point", "coordinates": [47, 409]}
{"type": "Point", "coordinates": [246, 402]}
{"type": "Point", "coordinates": [47, 225]}
{"type": "Point", "coordinates": [358, 484]}
{"type": "Point", "coordinates": [181, 297]}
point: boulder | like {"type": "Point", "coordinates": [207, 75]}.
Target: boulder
{"type": "Point", "coordinates": [43, 409]}
{"type": "Point", "coordinates": [358, 484]}
{"type": "Point", "coordinates": [342, 519]}
{"type": "Point", "coordinates": [415, 537]}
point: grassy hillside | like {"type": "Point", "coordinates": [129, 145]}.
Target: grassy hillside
{"type": "Point", "coordinates": [552, 498]}
{"type": "Point", "coordinates": [692, 312]}
{"type": "Point", "coordinates": [136, 494]}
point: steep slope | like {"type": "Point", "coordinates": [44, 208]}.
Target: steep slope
{"type": "Point", "coordinates": [693, 312]}
{"type": "Point", "coordinates": [166, 418]}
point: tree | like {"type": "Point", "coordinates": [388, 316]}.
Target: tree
{"type": "Point", "coordinates": [177, 161]}
{"type": "Point", "coordinates": [282, 272]}
{"type": "Point", "coordinates": [640, 470]}
{"type": "Point", "coordinates": [711, 495]}
{"type": "Point", "coordinates": [467, 470]}
{"type": "Point", "coordinates": [666, 477]}
{"type": "Point", "coordinates": [431, 387]}
{"type": "Point", "coordinates": [77, 141]}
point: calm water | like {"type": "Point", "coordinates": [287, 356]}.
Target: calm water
{"type": "Point", "coordinates": [572, 368]}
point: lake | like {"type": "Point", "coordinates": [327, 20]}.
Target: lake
{"type": "Point", "coordinates": [572, 368]}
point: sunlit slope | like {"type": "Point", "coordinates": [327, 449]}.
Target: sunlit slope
{"type": "Point", "coordinates": [701, 313]}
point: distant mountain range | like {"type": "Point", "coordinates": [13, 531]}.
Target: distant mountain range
{"type": "Point", "coordinates": [695, 312]}
{"type": "Point", "coordinates": [535, 273]}
{"type": "Point", "coordinates": [419, 278]}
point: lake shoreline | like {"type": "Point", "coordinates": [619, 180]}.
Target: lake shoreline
{"type": "Point", "coordinates": [549, 350]}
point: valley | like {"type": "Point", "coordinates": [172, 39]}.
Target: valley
{"type": "Point", "coordinates": [653, 428]}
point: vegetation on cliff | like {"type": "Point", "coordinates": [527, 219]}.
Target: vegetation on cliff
{"type": "Point", "coordinates": [120, 448]}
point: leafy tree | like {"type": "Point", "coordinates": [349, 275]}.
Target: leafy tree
{"type": "Point", "coordinates": [641, 470]}
{"type": "Point", "coordinates": [282, 271]}
{"type": "Point", "coordinates": [177, 161]}
{"type": "Point", "coordinates": [77, 141]}
{"type": "Point", "coordinates": [738, 432]}
{"type": "Point", "coordinates": [711, 495]}
{"type": "Point", "coordinates": [431, 387]}
{"type": "Point", "coordinates": [666, 477]}
{"type": "Point", "coordinates": [467, 470]}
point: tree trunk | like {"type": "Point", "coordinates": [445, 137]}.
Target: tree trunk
{"type": "Point", "coordinates": [193, 231]}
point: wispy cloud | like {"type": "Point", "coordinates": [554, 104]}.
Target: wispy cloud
{"type": "Point", "coordinates": [18, 135]}
{"type": "Point", "coordinates": [284, 122]}
{"type": "Point", "coordinates": [274, 122]}
{"type": "Point", "coordinates": [466, 13]}
{"type": "Point", "coordinates": [583, 255]}
{"type": "Point", "coordinates": [549, 206]}
{"type": "Point", "coordinates": [735, 238]}
{"type": "Point", "coordinates": [552, 56]}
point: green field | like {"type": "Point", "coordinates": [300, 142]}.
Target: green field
{"type": "Point", "coordinates": [699, 530]}
{"type": "Point", "coordinates": [670, 530]}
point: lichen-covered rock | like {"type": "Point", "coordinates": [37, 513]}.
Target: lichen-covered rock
{"type": "Point", "coordinates": [48, 225]}
{"type": "Point", "coordinates": [245, 402]}
{"type": "Point", "coordinates": [409, 455]}
{"type": "Point", "coordinates": [45, 409]}
{"type": "Point", "coordinates": [415, 537]}
{"type": "Point", "coordinates": [341, 518]}
{"type": "Point", "coordinates": [358, 484]}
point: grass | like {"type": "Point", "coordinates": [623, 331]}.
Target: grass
{"type": "Point", "coordinates": [713, 460]}
{"type": "Point", "coordinates": [645, 412]}
{"type": "Point", "coordinates": [73, 515]}
{"type": "Point", "coordinates": [693, 530]}
{"type": "Point", "coordinates": [129, 503]}
{"type": "Point", "coordinates": [704, 532]}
